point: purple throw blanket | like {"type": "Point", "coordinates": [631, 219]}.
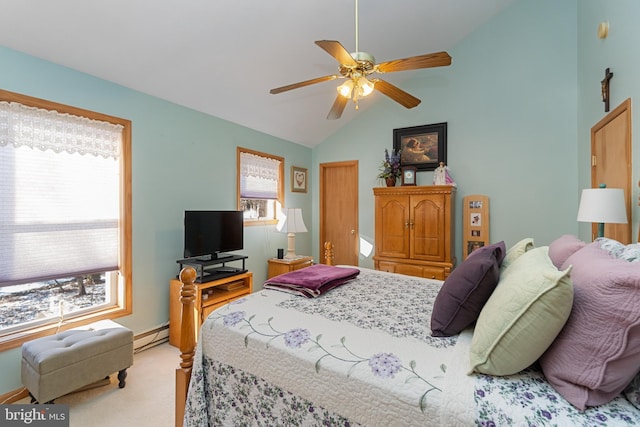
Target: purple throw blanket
{"type": "Point", "coordinates": [313, 281]}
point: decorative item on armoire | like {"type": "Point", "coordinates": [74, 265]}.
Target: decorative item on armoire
{"type": "Point", "coordinates": [408, 175]}
{"type": "Point", "coordinates": [441, 176]}
{"type": "Point", "coordinates": [390, 169]}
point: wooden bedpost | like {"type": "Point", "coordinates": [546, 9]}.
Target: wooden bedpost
{"type": "Point", "coordinates": [187, 340]}
{"type": "Point", "coordinates": [328, 253]}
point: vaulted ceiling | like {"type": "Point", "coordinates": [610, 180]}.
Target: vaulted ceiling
{"type": "Point", "coordinates": [222, 57]}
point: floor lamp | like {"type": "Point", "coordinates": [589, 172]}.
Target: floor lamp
{"type": "Point", "coordinates": [602, 205]}
{"type": "Point", "coordinates": [291, 223]}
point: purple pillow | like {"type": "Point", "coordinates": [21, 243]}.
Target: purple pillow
{"type": "Point", "coordinates": [563, 247]}
{"type": "Point", "coordinates": [597, 353]}
{"type": "Point", "coordinates": [499, 249]}
{"type": "Point", "coordinates": [466, 290]}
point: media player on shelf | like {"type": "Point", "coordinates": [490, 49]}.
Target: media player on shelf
{"type": "Point", "coordinates": [227, 269]}
{"type": "Point", "coordinates": [213, 269]}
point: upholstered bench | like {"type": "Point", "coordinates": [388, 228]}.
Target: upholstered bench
{"type": "Point", "coordinates": [59, 364]}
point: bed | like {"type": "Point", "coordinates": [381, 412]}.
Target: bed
{"type": "Point", "coordinates": [364, 354]}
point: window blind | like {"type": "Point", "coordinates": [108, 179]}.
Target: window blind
{"type": "Point", "coordinates": [258, 177]}
{"type": "Point", "coordinates": [59, 195]}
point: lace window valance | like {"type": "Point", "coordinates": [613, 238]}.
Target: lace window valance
{"type": "Point", "coordinates": [258, 177]}
{"type": "Point", "coordinates": [21, 125]}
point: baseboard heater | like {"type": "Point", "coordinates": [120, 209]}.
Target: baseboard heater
{"type": "Point", "coordinates": [151, 338]}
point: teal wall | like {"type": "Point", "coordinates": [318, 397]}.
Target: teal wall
{"type": "Point", "coordinates": [520, 98]}
{"type": "Point", "coordinates": [509, 99]}
{"type": "Point", "coordinates": [182, 159]}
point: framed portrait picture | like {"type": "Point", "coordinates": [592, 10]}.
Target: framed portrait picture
{"type": "Point", "coordinates": [422, 146]}
{"type": "Point", "coordinates": [298, 179]}
{"type": "Point", "coordinates": [475, 219]}
{"type": "Point", "coordinates": [472, 245]}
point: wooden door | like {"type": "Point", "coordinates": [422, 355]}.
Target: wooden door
{"type": "Point", "coordinates": [339, 210]}
{"type": "Point", "coordinates": [392, 226]}
{"type": "Point", "coordinates": [427, 227]}
{"type": "Point", "coordinates": [611, 163]}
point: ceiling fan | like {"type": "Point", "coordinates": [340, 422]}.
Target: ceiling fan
{"type": "Point", "coordinates": [357, 66]}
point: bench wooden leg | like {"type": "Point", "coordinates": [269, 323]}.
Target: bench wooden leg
{"type": "Point", "coordinates": [34, 400]}
{"type": "Point", "coordinates": [121, 377]}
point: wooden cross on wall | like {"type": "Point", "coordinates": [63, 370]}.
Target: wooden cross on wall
{"type": "Point", "coordinates": [604, 84]}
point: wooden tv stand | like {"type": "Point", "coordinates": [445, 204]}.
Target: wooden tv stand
{"type": "Point", "coordinates": [209, 296]}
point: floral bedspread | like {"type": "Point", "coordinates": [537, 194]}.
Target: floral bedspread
{"type": "Point", "coordinates": [361, 354]}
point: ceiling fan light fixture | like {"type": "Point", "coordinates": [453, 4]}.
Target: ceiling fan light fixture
{"type": "Point", "coordinates": [345, 88]}
{"type": "Point", "coordinates": [365, 87]}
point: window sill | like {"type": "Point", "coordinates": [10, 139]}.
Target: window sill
{"type": "Point", "coordinates": [16, 339]}
{"type": "Point", "coordinates": [251, 222]}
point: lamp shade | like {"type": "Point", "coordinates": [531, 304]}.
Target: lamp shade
{"type": "Point", "coordinates": [602, 205]}
{"type": "Point", "coordinates": [291, 221]}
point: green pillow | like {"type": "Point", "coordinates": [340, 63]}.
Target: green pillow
{"type": "Point", "coordinates": [523, 316]}
{"type": "Point", "coordinates": [515, 251]}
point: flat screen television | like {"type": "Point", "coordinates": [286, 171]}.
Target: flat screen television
{"type": "Point", "coordinates": [208, 234]}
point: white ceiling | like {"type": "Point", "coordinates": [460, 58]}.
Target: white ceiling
{"type": "Point", "coordinates": [222, 57]}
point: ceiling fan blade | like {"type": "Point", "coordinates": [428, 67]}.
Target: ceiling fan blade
{"type": "Point", "coordinates": [302, 84]}
{"type": "Point", "coordinates": [438, 59]}
{"type": "Point", "coordinates": [395, 93]}
{"type": "Point", "coordinates": [337, 108]}
{"type": "Point", "coordinates": [338, 51]}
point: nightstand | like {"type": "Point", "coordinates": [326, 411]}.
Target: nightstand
{"type": "Point", "coordinates": [281, 266]}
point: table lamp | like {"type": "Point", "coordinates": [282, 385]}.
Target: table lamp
{"type": "Point", "coordinates": [602, 205]}
{"type": "Point", "coordinates": [291, 223]}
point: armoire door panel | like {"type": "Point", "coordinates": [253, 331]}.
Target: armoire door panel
{"type": "Point", "coordinates": [427, 231]}
{"type": "Point", "coordinates": [394, 219]}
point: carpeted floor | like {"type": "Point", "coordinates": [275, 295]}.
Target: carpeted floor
{"type": "Point", "coordinates": [148, 398]}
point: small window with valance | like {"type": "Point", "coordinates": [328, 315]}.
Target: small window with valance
{"type": "Point", "coordinates": [260, 185]}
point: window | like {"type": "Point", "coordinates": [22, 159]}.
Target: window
{"type": "Point", "coordinates": [260, 186]}
{"type": "Point", "coordinates": [65, 217]}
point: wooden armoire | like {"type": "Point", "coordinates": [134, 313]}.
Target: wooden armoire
{"type": "Point", "coordinates": [414, 230]}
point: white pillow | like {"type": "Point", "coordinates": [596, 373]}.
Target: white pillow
{"type": "Point", "coordinates": [516, 251]}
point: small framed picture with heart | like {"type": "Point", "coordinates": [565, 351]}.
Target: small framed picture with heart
{"type": "Point", "coordinates": [298, 179]}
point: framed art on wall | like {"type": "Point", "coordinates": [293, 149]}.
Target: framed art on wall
{"type": "Point", "coordinates": [298, 179]}
{"type": "Point", "coordinates": [422, 146]}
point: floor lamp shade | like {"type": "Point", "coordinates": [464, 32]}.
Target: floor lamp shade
{"type": "Point", "coordinates": [291, 223]}
{"type": "Point", "coordinates": [602, 205]}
